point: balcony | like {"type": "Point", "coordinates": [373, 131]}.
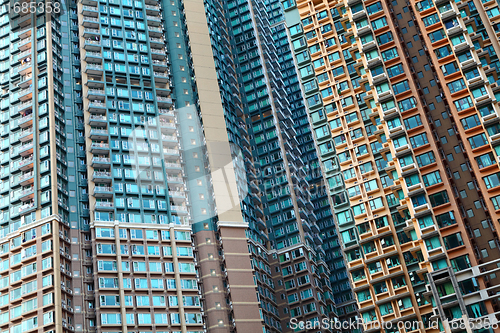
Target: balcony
{"type": "Point", "coordinates": [99, 148]}
{"type": "Point", "coordinates": [363, 30]}
{"type": "Point", "coordinates": [97, 120]}
{"type": "Point", "coordinates": [261, 224]}
{"type": "Point", "coordinates": [90, 22]}
{"type": "Point", "coordinates": [101, 162]}
{"type": "Point", "coordinates": [98, 133]}
{"type": "Point", "coordinates": [159, 54]}
{"type": "Point", "coordinates": [27, 178]}
{"type": "Point", "coordinates": [101, 177]}
{"type": "Point", "coordinates": [26, 135]}
{"type": "Point", "coordinates": [24, 33]}
{"type": "Point", "coordinates": [92, 45]}
{"type": "Point", "coordinates": [24, 44]}
{"type": "Point", "coordinates": [259, 212]}
{"type": "Point", "coordinates": [177, 196]}
{"type": "Point", "coordinates": [90, 11]}
{"type": "Point", "coordinates": [171, 154]}
{"type": "Point", "coordinates": [27, 194]}
{"type": "Point", "coordinates": [25, 94]}
{"type": "Point", "coordinates": [373, 62]}
{"type": "Point", "coordinates": [26, 121]}
{"type": "Point", "coordinates": [154, 20]}
{"type": "Point", "coordinates": [103, 191]}
{"type": "Point", "coordinates": [91, 56]}
{"type": "Point", "coordinates": [462, 46]}
{"type": "Point", "coordinates": [162, 77]}
{"type": "Point", "coordinates": [24, 20]}
{"type": "Point", "coordinates": [156, 42]}
{"type": "Point", "coordinates": [26, 149]}
{"type": "Point", "coordinates": [26, 80]}
{"type": "Point", "coordinates": [168, 127]}
{"type": "Point", "coordinates": [160, 65]}
{"type": "Point", "coordinates": [455, 30]}
{"type": "Point", "coordinates": [169, 140]}
{"type": "Point", "coordinates": [93, 69]}
{"type": "Point", "coordinates": [481, 100]}
{"type": "Point", "coordinates": [97, 107]}
{"type": "Point", "coordinates": [164, 101]}
{"type": "Point", "coordinates": [179, 210]}
{"type": "Point", "coordinates": [104, 205]}
{"type": "Point", "coordinates": [152, 10]}
{"type": "Point", "coordinates": [173, 167]}
{"type": "Point", "coordinates": [155, 31]}
{"type": "Point", "coordinates": [390, 111]}
{"type": "Point", "coordinates": [255, 199]}
{"type": "Point", "coordinates": [477, 79]}
{"type": "Point", "coordinates": [90, 33]}
{"type": "Point", "coordinates": [26, 164]}
{"type": "Point", "coordinates": [175, 180]}
{"type": "Point", "coordinates": [26, 207]}
{"type": "Point", "coordinates": [25, 69]}
{"type": "Point", "coordinates": [165, 113]}
{"type": "Point", "coordinates": [22, 107]}
{"type": "Point", "coordinates": [449, 12]}
{"type": "Point", "coordinates": [358, 15]}
{"type": "Point", "coordinates": [96, 94]}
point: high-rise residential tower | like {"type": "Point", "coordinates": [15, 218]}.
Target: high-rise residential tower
{"type": "Point", "coordinates": [120, 208]}
{"type": "Point", "coordinates": [402, 97]}
{"type": "Point", "coordinates": [287, 181]}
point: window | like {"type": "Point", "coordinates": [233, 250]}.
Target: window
{"type": "Point", "coordinates": [385, 38]}
{"type": "Point", "coordinates": [470, 122]}
{"type": "Point", "coordinates": [431, 19]}
{"type": "Point", "coordinates": [437, 35]}
{"type": "Point", "coordinates": [485, 160]}
{"type": "Point", "coordinates": [432, 178]}
{"type": "Point", "coordinates": [407, 104]}
{"type": "Point", "coordinates": [379, 23]}
{"type": "Point", "coordinates": [492, 181]}
{"type": "Point", "coordinates": [412, 122]}
{"type": "Point", "coordinates": [389, 54]}
{"type": "Point", "coordinates": [374, 8]}
{"type": "Point", "coordinates": [439, 198]}
{"type": "Point", "coordinates": [450, 68]}
{"type": "Point", "coordinates": [419, 140]}
{"type": "Point", "coordinates": [359, 209]}
{"type": "Point", "coordinates": [478, 141]}
{"type": "Point", "coordinates": [395, 70]}
{"type": "Point", "coordinates": [456, 85]}
{"type": "Point", "coordinates": [453, 241]}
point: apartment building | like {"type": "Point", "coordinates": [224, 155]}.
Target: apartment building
{"type": "Point", "coordinates": [402, 97]}
{"type": "Point", "coordinates": [298, 217]}
{"type": "Point", "coordinates": [115, 170]}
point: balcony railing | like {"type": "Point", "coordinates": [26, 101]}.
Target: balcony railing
{"type": "Point", "coordinates": [153, 18]}
{"type": "Point", "coordinates": [97, 117]}
{"type": "Point", "coordinates": [171, 151]}
{"type": "Point", "coordinates": [94, 67]}
{"type": "Point", "coordinates": [172, 165]}
{"type": "Point", "coordinates": [91, 19]}
{"type": "Point", "coordinates": [90, 30]}
{"type": "Point", "coordinates": [101, 160]}
{"type": "Point", "coordinates": [26, 161]}
{"type": "Point", "coordinates": [97, 104]}
{"type": "Point", "coordinates": [102, 174]}
{"type": "Point", "coordinates": [26, 176]}
{"type": "Point", "coordinates": [25, 91]}
{"type": "Point", "coordinates": [160, 74]}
